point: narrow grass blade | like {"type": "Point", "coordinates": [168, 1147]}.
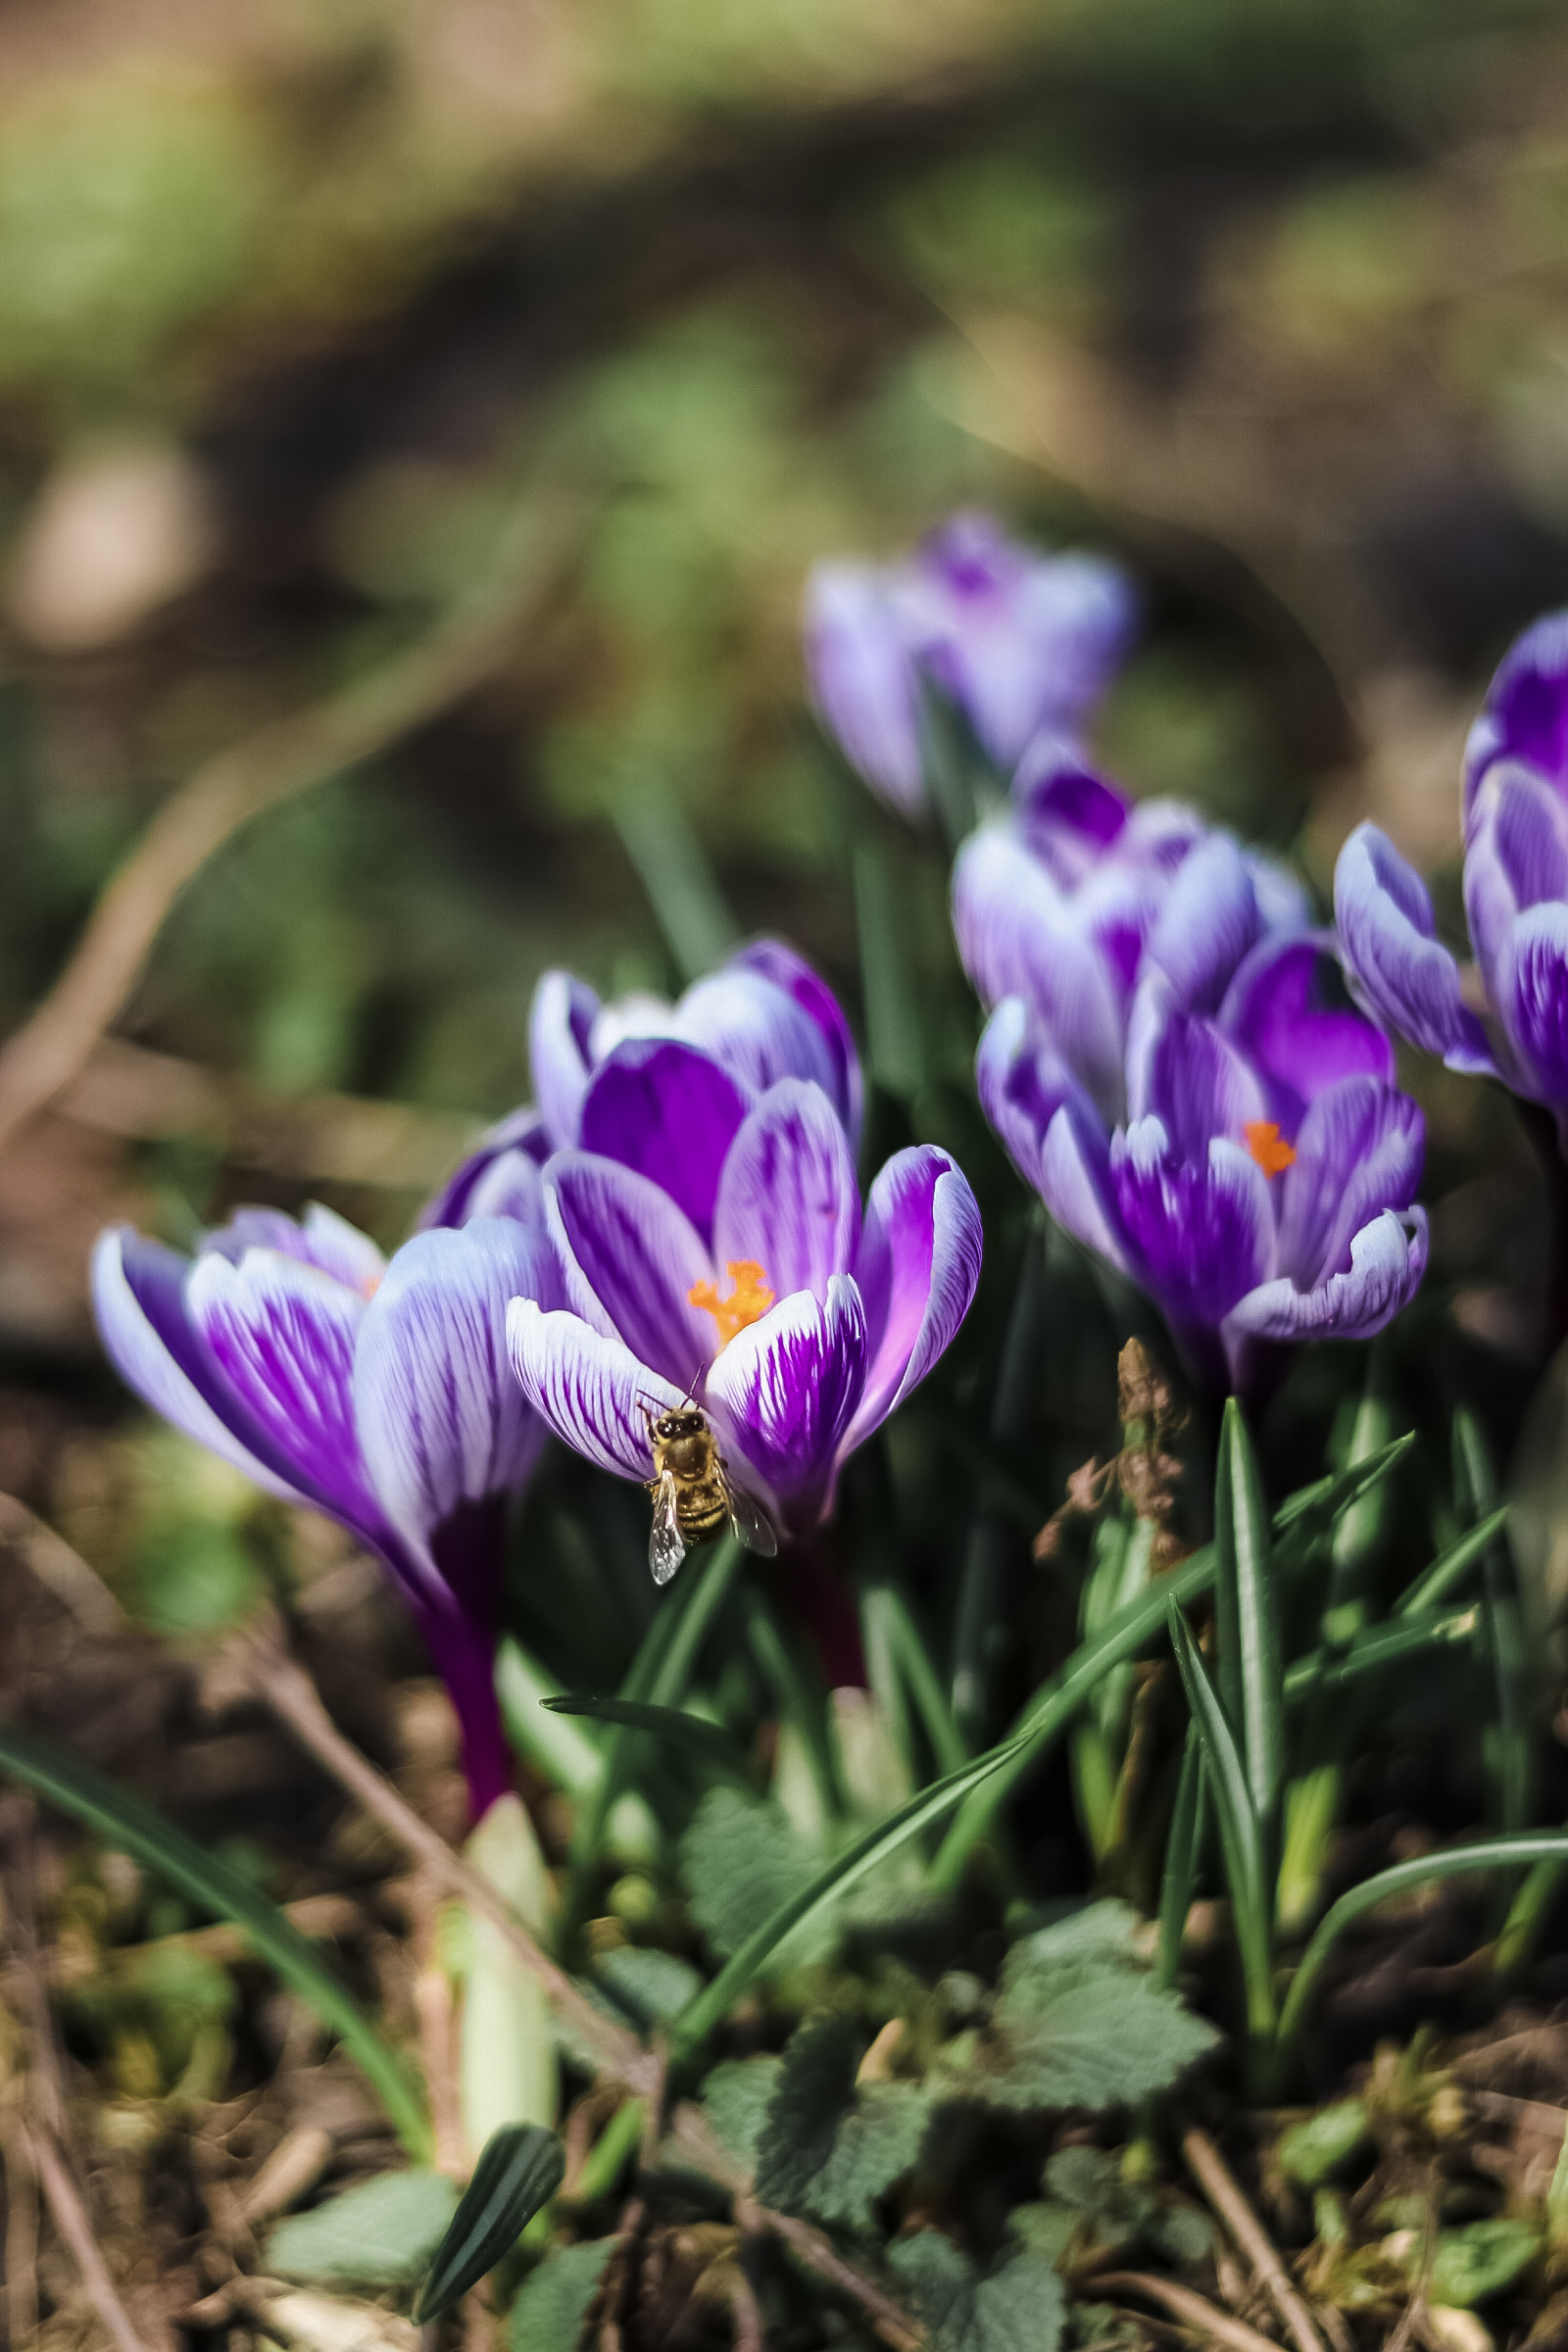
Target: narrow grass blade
{"type": "Point", "coordinates": [1183, 1847]}
{"type": "Point", "coordinates": [923, 1684]}
{"type": "Point", "coordinates": [674, 871]}
{"type": "Point", "coordinates": [568, 1757]}
{"type": "Point", "coordinates": [1435, 1583]}
{"type": "Point", "coordinates": [1244, 1572]}
{"type": "Point", "coordinates": [659, 1674]}
{"type": "Point", "coordinates": [1056, 1703]}
{"type": "Point", "coordinates": [1358, 1537]}
{"type": "Point", "coordinates": [799, 1699]}
{"type": "Point", "coordinates": [1527, 1916]}
{"type": "Point", "coordinates": [1225, 1773]}
{"type": "Point", "coordinates": [893, 1031]}
{"type": "Point", "coordinates": [1385, 1645]}
{"type": "Point", "coordinates": [1526, 1851]}
{"type": "Point", "coordinates": [1052, 1709]}
{"type": "Point", "coordinates": [992, 1543]}
{"type": "Point", "coordinates": [1327, 1498]}
{"type": "Point", "coordinates": [520, 2170]}
{"type": "Point", "coordinates": [704, 1738]}
{"type": "Point", "coordinates": [135, 1828]}
{"type": "Point", "coordinates": [1509, 1758]}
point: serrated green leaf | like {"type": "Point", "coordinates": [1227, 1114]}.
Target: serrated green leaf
{"type": "Point", "coordinates": [1312, 2151]}
{"type": "Point", "coordinates": [382, 2234]}
{"type": "Point", "coordinates": [815, 2088]}
{"type": "Point", "coordinates": [1483, 2259]}
{"type": "Point", "coordinates": [1021, 2308]}
{"type": "Point", "coordinates": [736, 2098]}
{"type": "Point", "coordinates": [651, 1985]}
{"type": "Point", "coordinates": [1079, 2023]}
{"type": "Point", "coordinates": [740, 1860]}
{"type": "Point", "coordinates": [127, 1823]}
{"type": "Point", "coordinates": [520, 2170]}
{"type": "Point", "coordinates": [552, 2306]}
{"type": "Point", "coordinates": [877, 2141]}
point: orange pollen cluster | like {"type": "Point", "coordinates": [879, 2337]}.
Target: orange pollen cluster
{"type": "Point", "coordinates": [1268, 1147]}
{"type": "Point", "coordinates": [751, 1295]}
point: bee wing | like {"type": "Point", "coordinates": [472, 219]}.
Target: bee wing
{"type": "Point", "coordinates": [666, 1546]}
{"type": "Point", "coordinates": [750, 1522]}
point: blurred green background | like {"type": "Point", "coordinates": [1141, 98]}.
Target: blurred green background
{"type": "Point", "coordinates": [304, 312]}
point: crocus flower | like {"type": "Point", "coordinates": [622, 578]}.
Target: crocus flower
{"type": "Point", "coordinates": [764, 1015]}
{"type": "Point", "coordinates": [377, 1391]}
{"type": "Point", "coordinates": [1515, 808]}
{"type": "Point", "coordinates": [1075, 896]}
{"type": "Point", "coordinates": [1018, 642]}
{"type": "Point", "coordinates": [1251, 1164]}
{"type": "Point", "coordinates": [715, 1248]}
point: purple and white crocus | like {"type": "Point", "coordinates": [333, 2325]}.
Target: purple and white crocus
{"type": "Point", "coordinates": [713, 1246]}
{"type": "Point", "coordinates": [1168, 1065]}
{"type": "Point", "coordinates": [1515, 811]}
{"type": "Point", "coordinates": [1018, 642]}
{"type": "Point", "coordinates": [375, 1390]}
{"type": "Point", "coordinates": [764, 1015]}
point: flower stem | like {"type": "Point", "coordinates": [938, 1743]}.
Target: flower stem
{"type": "Point", "coordinates": [1542, 1128]}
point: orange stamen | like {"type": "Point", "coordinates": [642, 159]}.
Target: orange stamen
{"type": "Point", "coordinates": [751, 1295]}
{"type": "Point", "coordinates": [1268, 1147]}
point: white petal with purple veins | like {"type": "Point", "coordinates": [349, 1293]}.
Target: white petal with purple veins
{"type": "Point", "coordinates": [560, 1022]}
{"type": "Point", "coordinates": [285, 1335]}
{"type": "Point", "coordinates": [788, 1198]}
{"type": "Point", "coordinates": [916, 1271]}
{"type": "Point", "coordinates": [440, 1415]}
{"type": "Point", "coordinates": [590, 1389]}
{"type": "Point", "coordinates": [630, 1261]}
{"type": "Point", "coordinates": [139, 1297]}
{"type": "Point", "coordinates": [1400, 970]}
{"type": "Point", "coordinates": [1388, 1258]}
{"type": "Point", "coordinates": [788, 1386]}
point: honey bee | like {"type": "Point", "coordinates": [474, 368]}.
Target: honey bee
{"type": "Point", "coordinates": [693, 1498]}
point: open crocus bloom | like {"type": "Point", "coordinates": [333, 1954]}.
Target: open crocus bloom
{"type": "Point", "coordinates": [375, 1390]}
{"type": "Point", "coordinates": [1018, 642]}
{"type": "Point", "coordinates": [1077, 897]}
{"type": "Point", "coordinates": [713, 1248]}
{"type": "Point", "coordinates": [764, 1015]}
{"type": "Point", "coordinates": [1260, 1184]}
{"type": "Point", "coordinates": [1515, 895]}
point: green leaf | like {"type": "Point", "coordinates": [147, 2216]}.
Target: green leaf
{"type": "Point", "coordinates": [1184, 1844]}
{"type": "Point", "coordinates": [659, 1674]}
{"type": "Point", "coordinates": [736, 2098]}
{"type": "Point", "coordinates": [1481, 2260]}
{"type": "Point", "coordinates": [1021, 2308]}
{"type": "Point", "coordinates": [130, 1823]}
{"type": "Point", "coordinates": [878, 2140]}
{"type": "Point", "coordinates": [1244, 1577]}
{"type": "Point", "coordinates": [521, 2167]}
{"type": "Point", "coordinates": [704, 1738]}
{"type": "Point", "coordinates": [1313, 2150]}
{"type": "Point", "coordinates": [1328, 1496]}
{"type": "Point", "coordinates": [651, 1985]}
{"type": "Point", "coordinates": [1052, 1709]}
{"type": "Point", "coordinates": [1435, 1583]}
{"type": "Point", "coordinates": [740, 1863]}
{"type": "Point", "coordinates": [1079, 2023]}
{"type": "Point", "coordinates": [673, 867]}
{"type": "Point", "coordinates": [1521, 1852]}
{"type": "Point", "coordinates": [382, 2234]}
{"type": "Point", "coordinates": [1387, 1645]}
{"type": "Point", "coordinates": [815, 2088]}
{"type": "Point", "coordinates": [1239, 1837]}
{"type": "Point", "coordinates": [552, 2306]}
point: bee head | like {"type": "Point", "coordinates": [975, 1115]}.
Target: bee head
{"type": "Point", "coordinates": [681, 1421]}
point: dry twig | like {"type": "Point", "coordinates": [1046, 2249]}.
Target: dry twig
{"type": "Point", "coordinates": [1209, 2169]}
{"type": "Point", "coordinates": [286, 758]}
{"type": "Point", "coordinates": [1193, 2310]}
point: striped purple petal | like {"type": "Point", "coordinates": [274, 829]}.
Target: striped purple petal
{"type": "Point", "coordinates": [787, 1199]}
{"type": "Point", "coordinates": [631, 1260]}
{"type": "Point", "coordinates": [916, 1270]}
{"type": "Point", "coordinates": [670, 1114]}
{"type": "Point", "coordinates": [588, 1387]}
{"type": "Point", "coordinates": [787, 1387]}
